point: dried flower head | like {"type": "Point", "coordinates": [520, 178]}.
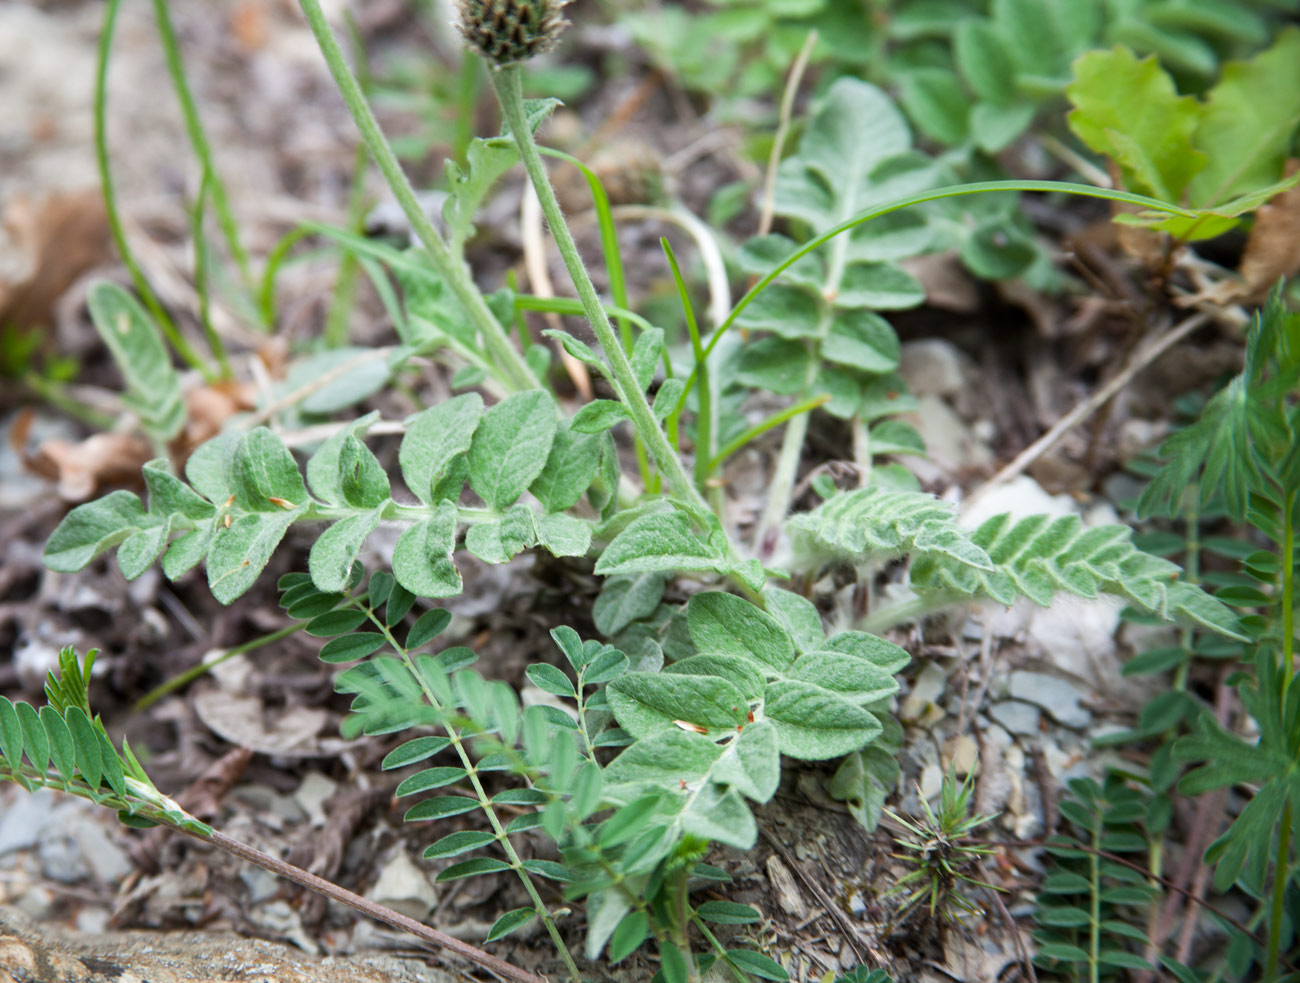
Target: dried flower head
{"type": "Point", "coordinates": [506, 31]}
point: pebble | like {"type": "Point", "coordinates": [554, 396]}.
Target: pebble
{"type": "Point", "coordinates": [931, 367]}
{"type": "Point", "coordinates": [23, 819]}
{"type": "Point", "coordinates": [926, 690]}
{"type": "Point", "coordinates": [1018, 718]}
{"type": "Point", "coordinates": [311, 795]}
{"type": "Point", "coordinates": [404, 887]}
{"type": "Point", "coordinates": [962, 754]}
{"type": "Point", "coordinates": [1059, 698]}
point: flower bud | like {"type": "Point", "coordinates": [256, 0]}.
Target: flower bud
{"type": "Point", "coordinates": [506, 31]}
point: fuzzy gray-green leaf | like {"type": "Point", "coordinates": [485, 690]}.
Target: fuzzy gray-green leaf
{"type": "Point", "coordinates": [422, 560]}
{"type": "Point", "coordinates": [434, 440]}
{"type": "Point", "coordinates": [510, 447]}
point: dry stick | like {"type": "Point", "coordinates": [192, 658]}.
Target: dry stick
{"type": "Point", "coordinates": [860, 945]}
{"type": "Point", "coordinates": [376, 911]}
{"type": "Point", "coordinates": [1012, 927]}
{"type": "Point", "coordinates": [1090, 405]}
{"type": "Point", "coordinates": [782, 128]}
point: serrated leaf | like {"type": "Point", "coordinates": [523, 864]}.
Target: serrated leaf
{"type": "Point", "coordinates": [1249, 118]}
{"type": "Point", "coordinates": [1129, 110]}
{"type": "Point", "coordinates": [510, 447]}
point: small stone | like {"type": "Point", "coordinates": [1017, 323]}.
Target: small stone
{"type": "Point", "coordinates": [931, 367]}
{"type": "Point", "coordinates": [23, 820]}
{"type": "Point", "coordinates": [311, 796]}
{"type": "Point", "coordinates": [404, 887]}
{"type": "Point", "coordinates": [931, 781]}
{"type": "Point", "coordinates": [1018, 718]}
{"type": "Point", "coordinates": [1059, 698]}
{"type": "Point", "coordinates": [926, 690]}
{"type": "Point", "coordinates": [962, 754]}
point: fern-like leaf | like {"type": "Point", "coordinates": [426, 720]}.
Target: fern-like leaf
{"type": "Point", "coordinates": [1038, 556]}
{"type": "Point", "coordinates": [880, 523]}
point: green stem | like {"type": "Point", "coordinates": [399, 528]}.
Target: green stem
{"type": "Point", "coordinates": [201, 280]}
{"type": "Point", "coordinates": [199, 139]}
{"type": "Point", "coordinates": [877, 622]}
{"type": "Point", "coordinates": [194, 672]}
{"type": "Point", "coordinates": [448, 266]}
{"type": "Point", "coordinates": [1281, 869]}
{"type": "Point", "coordinates": [1094, 902]}
{"type": "Point", "coordinates": [706, 445]}
{"type": "Point", "coordinates": [509, 88]}
{"type": "Point", "coordinates": [1282, 863]}
{"type": "Point", "coordinates": [485, 800]}
{"type": "Point", "coordinates": [337, 327]}
{"type": "Point", "coordinates": [775, 420]}
{"type": "Point", "coordinates": [109, 191]}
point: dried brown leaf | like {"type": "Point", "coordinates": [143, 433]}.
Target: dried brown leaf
{"type": "Point", "coordinates": [62, 236]}
{"type": "Point", "coordinates": [85, 467]}
{"type": "Point", "coordinates": [1273, 249]}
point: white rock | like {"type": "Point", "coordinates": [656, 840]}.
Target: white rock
{"type": "Point", "coordinates": [311, 795]}
{"type": "Point", "coordinates": [926, 690]}
{"type": "Point", "coordinates": [1016, 717]}
{"type": "Point", "coordinates": [404, 887]}
{"type": "Point", "coordinates": [931, 367]}
{"type": "Point", "coordinates": [1057, 696]}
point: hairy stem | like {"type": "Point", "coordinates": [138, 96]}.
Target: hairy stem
{"type": "Point", "coordinates": [109, 191]}
{"type": "Point", "coordinates": [449, 266]}
{"type": "Point", "coordinates": [509, 90]}
{"type": "Point", "coordinates": [199, 139]}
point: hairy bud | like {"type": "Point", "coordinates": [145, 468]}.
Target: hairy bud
{"type": "Point", "coordinates": [506, 31]}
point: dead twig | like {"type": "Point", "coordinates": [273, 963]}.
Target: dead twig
{"type": "Point", "coordinates": [768, 204]}
{"type": "Point", "coordinates": [1091, 405]}
{"type": "Point", "coordinates": [433, 937]}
